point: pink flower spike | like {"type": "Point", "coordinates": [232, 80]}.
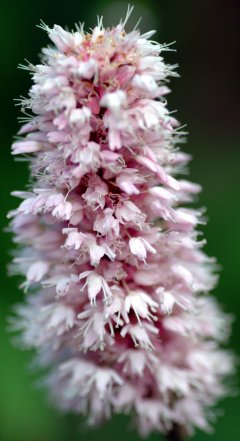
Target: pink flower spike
{"type": "Point", "coordinates": [116, 280]}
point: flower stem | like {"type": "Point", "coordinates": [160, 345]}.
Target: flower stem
{"type": "Point", "coordinates": [178, 433]}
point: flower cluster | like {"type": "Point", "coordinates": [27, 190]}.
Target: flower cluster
{"type": "Point", "coordinates": [116, 303]}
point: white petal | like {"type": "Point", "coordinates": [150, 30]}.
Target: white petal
{"type": "Point", "coordinates": [137, 247]}
{"type": "Point", "coordinates": [94, 283]}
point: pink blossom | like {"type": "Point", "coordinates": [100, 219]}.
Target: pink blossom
{"type": "Point", "coordinates": [115, 275]}
{"type": "Point", "coordinates": [139, 247]}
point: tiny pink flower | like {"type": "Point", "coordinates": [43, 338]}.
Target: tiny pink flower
{"type": "Point", "coordinates": [37, 270]}
{"type": "Point", "coordinates": [139, 247]}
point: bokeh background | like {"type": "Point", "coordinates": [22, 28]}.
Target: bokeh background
{"type": "Point", "coordinates": [207, 98]}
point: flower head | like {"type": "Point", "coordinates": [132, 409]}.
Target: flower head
{"type": "Point", "coordinates": [118, 310]}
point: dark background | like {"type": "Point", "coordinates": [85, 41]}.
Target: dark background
{"type": "Point", "coordinates": [207, 98]}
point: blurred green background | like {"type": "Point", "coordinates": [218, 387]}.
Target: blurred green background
{"type": "Point", "coordinates": [207, 99]}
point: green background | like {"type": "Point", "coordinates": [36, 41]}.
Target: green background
{"type": "Point", "coordinates": [207, 99]}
